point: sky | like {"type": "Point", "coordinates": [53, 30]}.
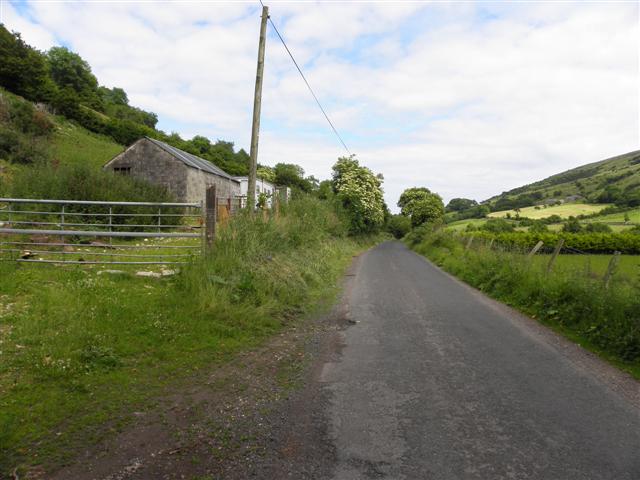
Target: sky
{"type": "Point", "coordinates": [466, 98]}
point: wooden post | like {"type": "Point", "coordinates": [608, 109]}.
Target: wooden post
{"type": "Point", "coordinates": [469, 242]}
{"type": "Point", "coordinates": [211, 214]}
{"type": "Point", "coordinates": [257, 105]}
{"type": "Point", "coordinates": [535, 249]}
{"type": "Point", "coordinates": [556, 252]}
{"type": "Point", "coordinates": [613, 263]}
{"type": "Point", "coordinates": [276, 204]}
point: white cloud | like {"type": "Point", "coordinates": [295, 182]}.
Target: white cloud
{"type": "Point", "coordinates": [468, 99]}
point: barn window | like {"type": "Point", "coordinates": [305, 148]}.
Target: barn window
{"type": "Point", "coordinates": [122, 170]}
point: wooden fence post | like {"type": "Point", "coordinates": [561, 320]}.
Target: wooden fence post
{"type": "Point", "coordinates": [469, 242]}
{"type": "Point", "coordinates": [535, 249]}
{"type": "Point", "coordinates": [556, 252]}
{"type": "Point", "coordinates": [211, 209]}
{"type": "Point", "coordinates": [611, 268]}
{"type": "Point", "coordinates": [276, 204]}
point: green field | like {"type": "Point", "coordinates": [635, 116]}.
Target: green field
{"type": "Point", "coordinates": [462, 224]}
{"type": "Point", "coordinates": [634, 217]}
{"type": "Point", "coordinates": [566, 210]}
{"type": "Point", "coordinates": [594, 265]}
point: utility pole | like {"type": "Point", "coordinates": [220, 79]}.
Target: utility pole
{"type": "Point", "coordinates": [257, 104]}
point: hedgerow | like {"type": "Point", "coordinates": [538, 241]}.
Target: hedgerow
{"type": "Point", "coordinates": [628, 243]}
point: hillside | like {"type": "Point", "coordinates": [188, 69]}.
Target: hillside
{"type": "Point", "coordinates": [614, 180]}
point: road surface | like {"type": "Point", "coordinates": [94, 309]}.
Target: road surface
{"type": "Point", "coordinates": [434, 381]}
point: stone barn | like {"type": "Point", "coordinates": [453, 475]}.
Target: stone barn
{"type": "Point", "coordinates": [185, 175]}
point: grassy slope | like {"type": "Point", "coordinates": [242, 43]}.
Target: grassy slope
{"type": "Point", "coordinates": [593, 178]}
{"type": "Point", "coordinates": [73, 144]}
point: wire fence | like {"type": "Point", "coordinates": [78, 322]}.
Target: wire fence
{"type": "Point", "coordinates": [552, 254]}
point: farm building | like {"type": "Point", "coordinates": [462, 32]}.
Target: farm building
{"type": "Point", "coordinates": [185, 175]}
{"type": "Point", "coordinates": [262, 186]}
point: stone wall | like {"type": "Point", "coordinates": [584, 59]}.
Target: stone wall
{"type": "Point", "coordinates": [153, 164]}
{"type": "Point", "coordinates": [149, 162]}
{"type": "Point", "coordinates": [198, 182]}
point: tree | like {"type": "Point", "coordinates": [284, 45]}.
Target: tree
{"type": "Point", "coordinates": [572, 225]}
{"type": "Point", "coordinates": [23, 69]}
{"type": "Point", "coordinates": [291, 175]}
{"type": "Point", "coordinates": [115, 95]}
{"type": "Point", "coordinates": [68, 69]}
{"type": "Point", "coordinates": [360, 193]}
{"type": "Point", "coordinates": [266, 173]}
{"type": "Point", "coordinates": [421, 205]}
{"type": "Point", "coordinates": [399, 225]}
{"type": "Point", "coordinates": [596, 227]}
{"type": "Point", "coordinates": [460, 204]}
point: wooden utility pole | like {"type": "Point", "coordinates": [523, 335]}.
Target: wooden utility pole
{"type": "Point", "coordinates": [257, 104]}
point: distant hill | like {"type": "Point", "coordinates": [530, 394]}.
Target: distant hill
{"type": "Point", "coordinates": [614, 180]}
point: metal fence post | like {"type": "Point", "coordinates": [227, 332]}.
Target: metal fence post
{"type": "Point", "coordinates": [211, 214]}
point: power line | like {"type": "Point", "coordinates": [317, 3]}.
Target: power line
{"type": "Point", "coordinates": [307, 83]}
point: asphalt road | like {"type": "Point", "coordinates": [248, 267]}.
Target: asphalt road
{"type": "Point", "coordinates": [434, 381]}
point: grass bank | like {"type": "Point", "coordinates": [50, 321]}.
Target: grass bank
{"type": "Point", "coordinates": [79, 350]}
{"type": "Point", "coordinates": [606, 321]}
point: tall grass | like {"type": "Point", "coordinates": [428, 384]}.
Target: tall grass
{"type": "Point", "coordinates": [79, 349]}
{"type": "Point", "coordinates": [607, 320]}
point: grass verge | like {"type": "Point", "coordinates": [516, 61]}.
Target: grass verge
{"type": "Point", "coordinates": [79, 350]}
{"type": "Point", "coordinates": [605, 321]}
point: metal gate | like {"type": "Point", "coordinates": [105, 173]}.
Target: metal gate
{"type": "Point", "coordinates": [93, 232]}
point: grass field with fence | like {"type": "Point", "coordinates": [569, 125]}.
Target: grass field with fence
{"type": "Point", "coordinates": [81, 348]}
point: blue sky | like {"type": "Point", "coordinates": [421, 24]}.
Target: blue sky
{"type": "Point", "coordinates": [468, 99]}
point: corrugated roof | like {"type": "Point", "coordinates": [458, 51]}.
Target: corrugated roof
{"type": "Point", "coordinates": [191, 160]}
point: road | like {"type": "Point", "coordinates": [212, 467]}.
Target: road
{"type": "Point", "coordinates": [435, 381]}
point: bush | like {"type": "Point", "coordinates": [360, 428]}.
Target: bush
{"type": "Point", "coordinates": [572, 226]}
{"type": "Point", "coordinates": [597, 228]}
{"type": "Point", "coordinates": [399, 225]}
{"type": "Point", "coordinates": [497, 225]}
{"type": "Point", "coordinates": [82, 182]}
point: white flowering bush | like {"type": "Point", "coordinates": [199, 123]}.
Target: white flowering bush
{"type": "Point", "coordinates": [360, 193]}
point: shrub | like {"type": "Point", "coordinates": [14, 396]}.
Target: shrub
{"type": "Point", "coordinates": [82, 182]}
{"type": "Point", "coordinates": [597, 228]}
{"type": "Point", "coordinates": [572, 226]}
{"type": "Point", "coordinates": [497, 225]}
{"type": "Point", "coordinates": [399, 225]}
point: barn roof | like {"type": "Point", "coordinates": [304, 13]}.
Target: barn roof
{"type": "Point", "coordinates": [191, 160]}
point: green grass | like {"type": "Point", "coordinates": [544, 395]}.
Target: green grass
{"type": "Point", "coordinates": [565, 210]}
{"type": "Point", "coordinates": [79, 350]}
{"type": "Point", "coordinates": [634, 217]}
{"type": "Point", "coordinates": [571, 299]}
{"type": "Point", "coordinates": [72, 144]}
{"type": "Point", "coordinates": [628, 267]}
{"type": "Point", "coordinates": [460, 225]}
